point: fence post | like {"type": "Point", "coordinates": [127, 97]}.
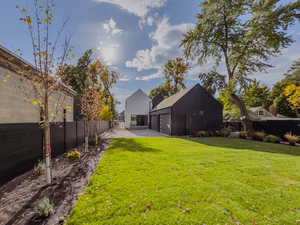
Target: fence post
{"type": "Point", "coordinates": [76, 124]}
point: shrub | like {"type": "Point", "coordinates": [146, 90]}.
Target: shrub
{"type": "Point", "coordinates": [272, 139]}
{"type": "Point", "coordinates": [212, 133]}
{"type": "Point", "coordinates": [202, 133]}
{"type": "Point", "coordinates": [39, 168]}
{"type": "Point", "coordinates": [244, 134]}
{"type": "Point", "coordinates": [225, 132]}
{"type": "Point", "coordinates": [259, 135]}
{"type": "Point", "coordinates": [292, 139]}
{"type": "Point", "coordinates": [44, 208]}
{"type": "Point", "coordinates": [74, 155]}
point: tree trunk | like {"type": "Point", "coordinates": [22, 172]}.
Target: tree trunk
{"type": "Point", "coordinates": [47, 146]}
{"type": "Point", "coordinates": [246, 121]}
{"type": "Point", "coordinates": [47, 140]}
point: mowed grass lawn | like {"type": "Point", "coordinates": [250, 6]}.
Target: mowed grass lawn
{"type": "Point", "coordinates": [168, 181]}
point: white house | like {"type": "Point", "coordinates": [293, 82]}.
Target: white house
{"type": "Point", "coordinates": [137, 108]}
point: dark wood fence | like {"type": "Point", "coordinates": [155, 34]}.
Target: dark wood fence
{"type": "Point", "coordinates": [276, 127]}
{"type": "Point", "coordinates": [21, 144]}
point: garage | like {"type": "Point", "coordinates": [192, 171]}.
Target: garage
{"type": "Point", "coordinates": [165, 124]}
{"type": "Point", "coordinates": [155, 123]}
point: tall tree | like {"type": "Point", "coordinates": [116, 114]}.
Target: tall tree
{"type": "Point", "coordinates": [212, 81]}
{"type": "Point", "coordinates": [280, 101]}
{"type": "Point", "coordinates": [174, 74]}
{"type": "Point", "coordinates": [78, 76]}
{"type": "Point", "coordinates": [174, 71]}
{"type": "Point", "coordinates": [294, 72]}
{"type": "Point", "coordinates": [243, 34]}
{"type": "Point", "coordinates": [257, 95]}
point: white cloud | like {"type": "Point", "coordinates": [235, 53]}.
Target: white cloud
{"type": "Point", "coordinates": [166, 40]}
{"type": "Point", "coordinates": [110, 27]}
{"type": "Point", "coordinates": [124, 78]}
{"type": "Point", "coordinates": [108, 52]}
{"type": "Point", "coordinates": [146, 21]}
{"type": "Point", "coordinates": [151, 76]}
{"type": "Point", "coordinates": [137, 7]}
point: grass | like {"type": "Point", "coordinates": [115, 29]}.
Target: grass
{"type": "Point", "coordinates": [169, 181]}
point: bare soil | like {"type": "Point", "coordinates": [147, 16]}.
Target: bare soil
{"type": "Point", "coordinates": [19, 196]}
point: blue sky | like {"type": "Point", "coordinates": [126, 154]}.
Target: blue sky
{"type": "Point", "coordinates": [134, 37]}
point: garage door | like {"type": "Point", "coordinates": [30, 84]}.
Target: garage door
{"type": "Point", "coordinates": [165, 124]}
{"type": "Point", "coordinates": [154, 123]}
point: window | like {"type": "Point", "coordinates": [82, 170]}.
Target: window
{"type": "Point", "coordinates": [260, 113]}
{"type": "Point", "coordinates": [139, 120]}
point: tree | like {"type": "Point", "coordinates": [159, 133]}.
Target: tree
{"type": "Point", "coordinates": [212, 81]}
{"type": "Point", "coordinates": [175, 71]}
{"type": "Point", "coordinates": [90, 105]}
{"type": "Point", "coordinates": [78, 76]}
{"type": "Point", "coordinates": [280, 102]}
{"type": "Point", "coordinates": [292, 92]}
{"type": "Point", "coordinates": [43, 82]}
{"type": "Point", "coordinates": [174, 74]}
{"type": "Point", "coordinates": [242, 34]}
{"type": "Point", "coordinates": [106, 113]}
{"type": "Point", "coordinates": [164, 89]}
{"type": "Point", "coordinates": [257, 95]}
{"type": "Point", "coordinates": [293, 73]}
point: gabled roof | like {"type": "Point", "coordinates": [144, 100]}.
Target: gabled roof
{"type": "Point", "coordinates": [139, 91]}
{"type": "Point", "coordinates": [169, 102]}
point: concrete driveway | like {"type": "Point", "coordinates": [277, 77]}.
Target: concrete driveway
{"type": "Point", "coordinates": [124, 133]}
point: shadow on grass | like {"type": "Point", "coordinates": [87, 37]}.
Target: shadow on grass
{"type": "Point", "coordinates": [240, 144]}
{"type": "Point", "coordinates": [129, 144]}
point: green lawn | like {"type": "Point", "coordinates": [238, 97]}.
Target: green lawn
{"type": "Point", "coordinates": [168, 181]}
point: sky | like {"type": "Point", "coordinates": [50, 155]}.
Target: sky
{"type": "Point", "coordinates": [133, 37]}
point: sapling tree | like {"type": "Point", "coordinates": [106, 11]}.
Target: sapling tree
{"type": "Point", "coordinates": [41, 83]}
{"type": "Point", "coordinates": [242, 35]}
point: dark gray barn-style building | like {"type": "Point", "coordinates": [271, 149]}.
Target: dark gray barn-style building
{"type": "Point", "coordinates": [190, 110]}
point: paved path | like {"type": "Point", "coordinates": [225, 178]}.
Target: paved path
{"type": "Point", "coordinates": [123, 133]}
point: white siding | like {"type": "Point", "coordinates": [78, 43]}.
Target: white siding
{"type": "Point", "coordinates": [137, 104]}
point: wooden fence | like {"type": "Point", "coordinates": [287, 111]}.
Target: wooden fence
{"type": "Point", "coordinates": [21, 144]}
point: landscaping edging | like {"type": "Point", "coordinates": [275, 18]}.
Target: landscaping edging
{"type": "Point", "coordinates": [19, 197]}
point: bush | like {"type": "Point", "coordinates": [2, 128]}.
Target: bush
{"type": "Point", "coordinates": [244, 134]}
{"type": "Point", "coordinates": [212, 133]}
{"type": "Point", "coordinates": [39, 168]}
{"type": "Point", "coordinates": [272, 139]}
{"type": "Point", "coordinates": [292, 139]}
{"type": "Point", "coordinates": [202, 133]}
{"type": "Point", "coordinates": [74, 155]}
{"type": "Point", "coordinates": [225, 132]}
{"type": "Point", "coordinates": [44, 208]}
{"type": "Point", "coordinates": [259, 135]}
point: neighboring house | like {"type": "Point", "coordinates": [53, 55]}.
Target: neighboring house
{"type": "Point", "coordinates": [190, 110]}
{"type": "Point", "coordinates": [121, 116]}
{"type": "Point", "coordinates": [14, 108]}
{"type": "Point", "coordinates": [137, 108]}
{"type": "Point", "coordinates": [260, 113]}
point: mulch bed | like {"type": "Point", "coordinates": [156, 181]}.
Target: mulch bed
{"type": "Point", "coordinates": [19, 196]}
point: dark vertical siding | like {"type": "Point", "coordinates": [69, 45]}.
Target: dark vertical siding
{"type": "Point", "coordinates": [197, 110]}
{"type": "Point", "coordinates": [165, 123]}
{"type": "Point", "coordinates": [155, 123]}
